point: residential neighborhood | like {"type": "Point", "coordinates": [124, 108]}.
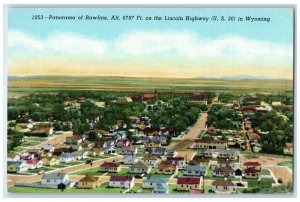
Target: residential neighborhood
{"type": "Point", "coordinates": [126, 146]}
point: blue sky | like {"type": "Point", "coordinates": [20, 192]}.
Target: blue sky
{"type": "Point", "coordinates": [279, 29]}
{"type": "Point", "coordinates": [138, 44]}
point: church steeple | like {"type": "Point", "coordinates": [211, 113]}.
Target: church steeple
{"type": "Point", "coordinates": [156, 95]}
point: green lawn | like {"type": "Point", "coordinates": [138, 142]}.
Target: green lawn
{"type": "Point", "coordinates": [29, 143]}
{"type": "Point", "coordinates": [180, 173]}
{"type": "Point", "coordinates": [90, 171]}
{"type": "Point", "coordinates": [141, 151]}
{"type": "Point", "coordinates": [18, 149]}
{"type": "Point", "coordinates": [136, 187]}
{"type": "Point", "coordinates": [146, 191]}
{"type": "Point", "coordinates": [122, 172]}
{"type": "Point", "coordinates": [264, 183]}
{"type": "Point", "coordinates": [287, 164]}
{"type": "Point", "coordinates": [58, 166]}
{"type": "Point", "coordinates": [19, 173]}
{"type": "Point", "coordinates": [36, 170]}
{"type": "Point", "coordinates": [73, 163]}
{"type": "Point", "coordinates": [154, 173]}
{"type": "Point", "coordinates": [210, 176]}
{"type": "Point", "coordinates": [207, 188]}
{"type": "Point", "coordinates": [173, 190]}
{"type": "Point", "coordinates": [37, 139]}
{"type": "Point", "coordinates": [265, 172]}
{"type": "Point", "coordinates": [95, 171]}
{"type": "Point", "coordinates": [102, 189]}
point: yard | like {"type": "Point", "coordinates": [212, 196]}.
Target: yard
{"type": "Point", "coordinates": [141, 151]}
{"type": "Point", "coordinates": [154, 173]}
{"type": "Point", "coordinates": [36, 170]}
{"type": "Point", "coordinates": [90, 171]}
{"type": "Point", "coordinates": [72, 163]}
{"type": "Point", "coordinates": [264, 183]}
{"type": "Point", "coordinates": [265, 172]}
{"type": "Point", "coordinates": [29, 143]}
{"type": "Point", "coordinates": [173, 190]}
{"type": "Point", "coordinates": [95, 171]}
{"type": "Point", "coordinates": [288, 164]}
{"type": "Point", "coordinates": [32, 141]}
{"type": "Point", "coordinates": [58, 166]}
{"type": "Point", "coordinates": [211, 177]}
{"type": "Point", "coordinates": [180, 173]}
{"type": "Point", "coordinates": [102, 189]}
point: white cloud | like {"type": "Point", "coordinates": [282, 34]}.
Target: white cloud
{"type": "Point", "coordinates": [19, 39]}
{"type": "Point", "coordinates": [59, 43]}
{"type": "Point", "coordinates": [191, 45]}
{"type": "Point", "coordinates": [185, 44]}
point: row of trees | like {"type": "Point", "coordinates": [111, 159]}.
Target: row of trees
{"type": "Point", "coordinates": [221, 118]}
{"type": "Point", "coordinates": [176, 115]}
{"type": "Point", "coordinates": [280, 131]}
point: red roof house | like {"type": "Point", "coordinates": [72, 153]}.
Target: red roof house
{"type": "Point", "coordinates": [188, 180]}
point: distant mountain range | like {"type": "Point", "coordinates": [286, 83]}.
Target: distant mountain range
{"type": "Point", "coordinates": [237, 77]}
{"type": "Point", "coordinates": [46, 76]}
{"type": "Point", "coordinates": [242, 77]}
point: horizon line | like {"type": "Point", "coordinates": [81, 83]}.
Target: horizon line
{"type": "Point", "coordinates": [234, 77]}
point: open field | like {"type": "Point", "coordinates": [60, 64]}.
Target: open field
{"type": "Point", "coordinates": [58, 83]}
{"type": "Point", "coordinates": [271, 163]}
{"type": "Point", "coordinates": [288, 164]}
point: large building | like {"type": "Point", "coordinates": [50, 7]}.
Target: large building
{"type": "Point", "coordinates": [210, 144]}
{"type": "Point", "coordinates": [146, 97]}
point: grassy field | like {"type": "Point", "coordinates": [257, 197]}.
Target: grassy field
{"type": "Point", "coordinates": [36, 170]}
{"type": "Point", "coordinates": [265, 172]}
{"type": "Point", "coordinates": [287, 164]}
{"type": "Point", "coordinates": [90, 171]}
{"type": "Point", "coordinates": [58, 83]}
{"type": "Point", "coordinates": [264, 183]}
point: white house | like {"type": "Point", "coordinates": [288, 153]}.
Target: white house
{"type": "Point", "coordinates": [159, 151]}
{"type": "Point", "coordinates": [121, 182]}
{"type": "Point", "coordinates": [129, 150]}
{"type": "Point", "coordinates": [152, 182]}
{"type": "Point", "coordinates": [66, 157]}
{"type": "Point", "coordinates": [53, 180]}
{"type": "Point", "coordinates": [150, 160]}
{"type": "Point", "coordinates": [140, 168]}
{"type": "Point", "coordinates": [179, 161]}
{"type": "Point", "coordinates": [226, 163]}
{"type": "Point", "coordinates": [80, 155]}
{"type": "Point", "coordinates": [16, 166]}
{"type": "Point", "coordinates": [223, 186]}
{"type": "Point", "coordinates": [223, 172]}
{"type": "Point", "coordinates": [131, 159]}
{"type": "Point", "coordinates": [109, 150]}
{"type": "Point", "coordinates": [195, 170]}
{"type": "Point", "coordinates": [34, 163]}
{"type": "Point", "coordinates": [49, 148]}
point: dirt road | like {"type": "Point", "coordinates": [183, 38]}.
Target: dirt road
{"type": "Point", "coordinates": [193, 133]}
{"type": "Point", "coordinates": [71, 169]}
{"type": "Point", "coordinates": [56, 139]}
{"type": "Point", "coordinates": [182, 145]}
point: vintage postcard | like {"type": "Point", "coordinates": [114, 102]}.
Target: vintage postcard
{"type": "Point", "coordinates": [144, 101]}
